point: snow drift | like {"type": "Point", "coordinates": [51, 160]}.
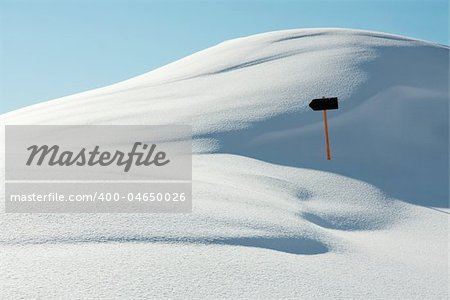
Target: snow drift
{"type": "Point", "coordinates": [249, 96]}
{"type": "Point", "coordinates": [260, 229]}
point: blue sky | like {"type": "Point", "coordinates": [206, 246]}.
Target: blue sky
{"type": "Point", "coordinates": [50, 49]}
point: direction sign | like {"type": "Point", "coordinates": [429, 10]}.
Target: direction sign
{"type": "Point", "coordinates": [324, 103]}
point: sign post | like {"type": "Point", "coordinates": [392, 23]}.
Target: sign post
{"type": "Point", "coordinates": [325, 104]}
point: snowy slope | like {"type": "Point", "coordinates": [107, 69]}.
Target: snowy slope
{"type": "Point", "coordinates": [260, 229]}
{"type": "Point", "coordinates": [249, 96]}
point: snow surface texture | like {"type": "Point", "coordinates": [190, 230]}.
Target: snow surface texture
{"type": "Point", "coordinates": [260, 229]}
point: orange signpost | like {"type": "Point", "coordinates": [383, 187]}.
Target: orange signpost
{"type": "Point", "coordinates": [326, 134]}
{"type": "Point", "coordinates": [324, 104]}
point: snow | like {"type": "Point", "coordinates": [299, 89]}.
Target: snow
{"type": "Point", "coordinates": [271, 217]}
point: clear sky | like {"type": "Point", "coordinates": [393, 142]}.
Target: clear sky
{"type": "Point", "coordinates": [50, 49]}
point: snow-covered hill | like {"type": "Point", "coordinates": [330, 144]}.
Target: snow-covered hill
{"type": "Point", "coordinates": [250, 97]}
{"type": "Point", "coordinates": [346, 230]}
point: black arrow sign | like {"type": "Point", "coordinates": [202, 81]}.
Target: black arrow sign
{"type": "Point", "coordinates": [324, 103]}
